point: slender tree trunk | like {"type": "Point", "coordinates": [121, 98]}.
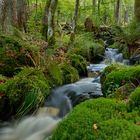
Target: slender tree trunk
{"type": "Point", "coordinates": [75, 17]}
{"type": "Point", "coordinates": [94, 7]}
{"type": "Point", "coordinates": [99, 2]}
{"type": "Point", "coordinates": [51, 23]}
{"type": "Point", "coordinates": [4, 15]}
{"type": "Point", "coordinates": [45, 19]}
{"type": "Point", "coordinates": [137, 10]}
{"type": "Point", "coordinates": [118, 12]}
{"type": "Point", "coordinates": [125, 12]}
{"type": "Point", "coordinates": [14, 12]}
{"type": "Point", "coordinates": [74, 21]}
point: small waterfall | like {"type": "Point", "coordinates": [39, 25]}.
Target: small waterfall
{"type": "Point", "coordinates": [112, 55]}
{"type": "Point", "coordinates": [30, 128]}
{"type": "Point", "coordinates": [67, 96]}
{"type": "Point", "coordinates": [59, 103]}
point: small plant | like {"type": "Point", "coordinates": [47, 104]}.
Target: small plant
{"type": "Point", "coordinates": [88, 48]}
{"type": "Point", "coordinates": [78, 62]}
{"type": "Point", "coordinates": [26, 91]}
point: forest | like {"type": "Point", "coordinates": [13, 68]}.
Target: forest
{"type": "Point", "coordinates": [69, 69]}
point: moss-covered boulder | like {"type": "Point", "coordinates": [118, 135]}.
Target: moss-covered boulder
{"type": "Point", "coordinates": [99, 119]}
{"type": "Point", "coordinates": [118, 78]}
{"type": "Point", "coordinates": [24, 92]}
{"type": "Point", "coordinates": [109, 69]}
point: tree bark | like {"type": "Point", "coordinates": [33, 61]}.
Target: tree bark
{"type": "Point", "coordinates": [51, 23]}
{"type": "Point", "coordinates": [99, 2]}
{"type": "Point", "coordinates": [22, 15]}
{"type": "Point", "coordinates": [45, 19]}
{"type": "Point", "coordinates": [4, 15]}
{"type": "Point", "coordinates": [94, 7]}
{"type": "Point", "coordinates": [118, 11]}
{"type": "Point", "coordinates": [14, 12]}
{"type": "Point", "coordinates": [137, 10]}
{"type": "Point", "coordinates": [75, 17]}
{"type": "Point", "coordinates": [74, 21]}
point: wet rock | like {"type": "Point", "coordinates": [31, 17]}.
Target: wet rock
{"type": "Point", "coordinates": [135, 59]}
{"type": "Point", "coordinates": [66, 97]}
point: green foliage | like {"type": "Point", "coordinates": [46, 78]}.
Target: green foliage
{"type": "Point", "coordinates": [134, 100]}
{"type": "Point", "coordinates": [54, 74]}
{"type": "Point", "coordinates": [128, 34]}
{"type": "Point", "coordinates": [109, 69]}
{"type": "Point", "coordinates": [118, 78]}
{"type": "Point", "coordinates": [69, 73]}
{"type": "Point", "coordinates": [86, 47]}
{"type": "Point", "coordinates": [26, 90]}
{"type": "Point", "coordinates": [15, 53]}
{"type": "Point", "coordinates": [122, 47]}
{"type": "Point", "coordinates": [98, 119]}
{"type": "Point", "coordinates": [78, 62]}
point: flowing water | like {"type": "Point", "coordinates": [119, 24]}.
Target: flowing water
{"type": "Point", "coordinates": [59, 103]}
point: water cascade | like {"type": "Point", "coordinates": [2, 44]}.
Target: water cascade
{"type": "Point", "coordinates": [59, 103]}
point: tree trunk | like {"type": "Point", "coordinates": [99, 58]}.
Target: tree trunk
{"type": "Point", "coordinates": [51, 24]}
{"type": "Point", "coordinates": [75, 17]}
{"type": "Point", "coordinates": [137, 10]}
{"type": "Point", "coordinates": [74, 21]}
{"type": "Point", "coordinates": [99, 2]}
{"type": "Point", "coordinates": [14, 12]}
{"type": "Point", "coordinates": [4, 15]}
{"type": "Point", "coordinates": [118, 11]}
{"type": "Point", "coordinates": [45, 19]}
{"type": "Point", "coordinates": [94, 7]}
{"type": "Point", "coordinates": [22, 15]}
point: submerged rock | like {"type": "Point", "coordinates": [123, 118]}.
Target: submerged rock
{"type": "Point", "coordinates": [67, 96]}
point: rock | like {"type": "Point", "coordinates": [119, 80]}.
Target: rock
{"type": "Point", "coordinates": [51, 111]}
{"type": "Point", "coordinates": [67, 96]}
{"type": "Point", "coordinates": [135, 59]}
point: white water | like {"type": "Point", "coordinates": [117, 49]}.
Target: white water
{"type": "Point", "coordinates": [30, 128]}
{"type": "Point", "coordinates": [43, 124]}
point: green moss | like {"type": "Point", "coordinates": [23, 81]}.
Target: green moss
{"type": "Point", "coordinates": [120, 77]}
{"type": "Point", "coordinates": [88, 48]}
{"type": "Point", "coordinates": [26, 90]}
{"type": "Point", "coordinates": [134, 100]}
{"type": "Point", "coordinates": [78, 62]}
{"type": "Point", "coordinates": [109, 69]}
{"type": "Point", "coordinates": [69, 73]}
{"type": "Point", "coordinates": [15, 53]}
{"type": "Point", "coordinates": [99, 119]}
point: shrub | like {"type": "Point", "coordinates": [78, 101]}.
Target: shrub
{"type": "Point", "coordinates": [86, 47]}
{"type": "Point", "coordinates": [118, 78]}
{"type": "Point", "coordinates": [69, 73]}
{"type": "Point", "coordinates": [134, 100]}
{"type": "Point", "coordinates": [78, 62]}
{"type": "Point", "coordinates": [14, 54]}
{"type": "Point", "coordinates": [97, 119]}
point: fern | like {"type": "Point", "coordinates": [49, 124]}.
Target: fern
{"type": "Point", "coordinates": [128, 34]}
{"type": "Point", "coordinates": [27, 90]}
{"type": "Point", "coordinates": [70, 74]}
